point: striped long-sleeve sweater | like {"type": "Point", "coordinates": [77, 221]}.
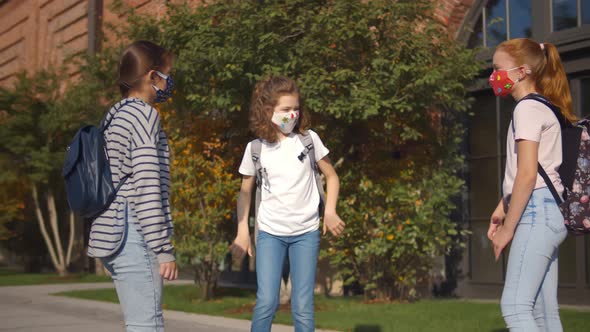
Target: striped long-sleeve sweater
{"type": "Point", "coordinates": [137, 146]}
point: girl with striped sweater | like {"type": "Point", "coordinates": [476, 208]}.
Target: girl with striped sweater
{"type": "Point", "coordinates": [132, 237]}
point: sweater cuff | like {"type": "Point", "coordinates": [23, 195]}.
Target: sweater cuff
{"type": "Point", "coordinates": [166, 257]}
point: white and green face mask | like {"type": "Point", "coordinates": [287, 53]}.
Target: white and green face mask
{"type": "Point", "coordinates": [285, 121]}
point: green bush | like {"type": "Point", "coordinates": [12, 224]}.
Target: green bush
{"type": "Point", "coordinates": [386, 87]}
{"type": "Point", "coordinates": [396, 228]}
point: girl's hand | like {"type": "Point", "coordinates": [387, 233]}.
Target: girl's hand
{"type": "Point", "coordinates": [169, 271]}
{"type": "Point", "coordinates": [502, 237]}
{"type": "Point", "coordinates": [333, 223]}
{"type": "Point", "coordinates": [496, 221]}
{"type": "Point", "coordinates": [241, 246]}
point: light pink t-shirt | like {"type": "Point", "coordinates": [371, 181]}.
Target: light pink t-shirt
{"type": "Point", "coordinates": [533, 121]}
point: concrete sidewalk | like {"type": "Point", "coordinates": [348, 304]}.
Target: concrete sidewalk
{"type": "Point", "coordinates": [32, 308]}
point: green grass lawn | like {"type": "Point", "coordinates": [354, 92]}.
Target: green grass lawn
{"type": "Point", "coordinates": [351, 314]}
{"type": "Point", "coordinates": [12, 278]}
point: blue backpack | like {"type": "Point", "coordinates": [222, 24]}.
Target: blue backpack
{"type": "Point", "coordinates": [87, 173]}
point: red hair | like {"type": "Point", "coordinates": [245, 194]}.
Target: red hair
{"type": "Point", "coordinates": [546, 69]}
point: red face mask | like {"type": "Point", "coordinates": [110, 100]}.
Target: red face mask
{"type": "Point", "coordinates": [501, 83]}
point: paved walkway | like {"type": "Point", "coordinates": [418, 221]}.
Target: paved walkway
{"type": "Point", "coordinates": [32, 308]}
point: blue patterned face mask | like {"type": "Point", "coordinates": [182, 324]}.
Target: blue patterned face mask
{"type": "Point", "coordinates": [163, 95]}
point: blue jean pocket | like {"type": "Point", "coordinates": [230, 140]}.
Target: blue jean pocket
{"type": "Point", "coordinates": [553, 217]}
{"type": "Point", "coordinates": [529, 215]}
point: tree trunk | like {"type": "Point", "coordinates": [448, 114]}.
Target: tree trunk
{"type": "Point", "coordinates": [71, 240]}
{"type": "Point", "coordinates": [53, 241]}
{"type": "Point", "coordinates": [46, 238]}
{"type": "Point", "coordinates": [285, 291]}
{"type": "Point", "coordinates": [51, 208]}
{"type": "Point", "coordinates": [203, 277]}
{"type": "Point", "coordinates": [99, 269]}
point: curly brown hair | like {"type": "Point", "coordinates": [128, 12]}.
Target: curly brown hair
{"type": "Point", "coordinates": [264, 99]}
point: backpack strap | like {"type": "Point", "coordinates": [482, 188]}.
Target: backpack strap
{"type": "Point", "coordinates": [563, 123]}
{"type": "Point", "coordinates": [549, 184]}
{"type": "Point", "coordinates": [260, 176]}
{"type": "Point", "coordinates": [122, 182]}
{"type": "Point", "coordinates": [104, 124]}
{"type": "Point", "coordinates": [308, 150]}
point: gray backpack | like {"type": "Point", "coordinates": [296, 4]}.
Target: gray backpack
{"type": "Point", "coordinates": [261, 175]}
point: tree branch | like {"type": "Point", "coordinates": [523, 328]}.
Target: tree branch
{"type": "Point", "coordinates": [71, 240]}
{"type": "Point", "coordinates": [291, 36]}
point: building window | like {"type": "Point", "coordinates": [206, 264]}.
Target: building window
{"type": "Point", "coordinates": [585, 97]}
{"type": "Point", "coordinates": [484, 189]}
{"type": "Point", "coordinates": [585, 12]}
{"type": "Point", "coordinates": [476, 38]}
{"type": "Point", "coordinates": [496, 29]}
{"type": "Point", "coordinates": [520, 19]}
{"type": "Point", "coordinates": [501, 20]}
{"type": "Point", "coordinates": [568, 14]}
{"type": "Point", "coordinates": [486, 158]}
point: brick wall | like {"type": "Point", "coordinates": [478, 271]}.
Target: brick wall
{"type": "Point", "coordinates": [39, 33]}
{"type": "Point", "coordinates": [451, 13]}
{"type": "Point", "coordinates": [35, 34]}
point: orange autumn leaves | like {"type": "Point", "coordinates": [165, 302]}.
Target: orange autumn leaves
{"type": "Point", "coordinates": [203, 182]}
{"type": "Point", "coordinates": [391, 236]}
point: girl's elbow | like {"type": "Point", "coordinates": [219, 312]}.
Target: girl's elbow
{"type": "Point", "coordinates": [332, 176]}
{"type": "Point", "coordinates": [529, 178]}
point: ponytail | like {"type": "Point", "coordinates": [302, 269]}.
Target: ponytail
{"type": "Point", "coordinates": [546, 70]}
{"type": "Point", "coordinates": [552, 82]}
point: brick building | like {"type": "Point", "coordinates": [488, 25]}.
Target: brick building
{"type": "Point", "coordinates": [35, 34]}
{"type": "Point", "coordinates": [38, 33]}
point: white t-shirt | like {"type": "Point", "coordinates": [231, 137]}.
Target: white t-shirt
{"type": "Point", "coordinates": [289, 202]}
{"type": "Point", "coordinates": [536, 122]}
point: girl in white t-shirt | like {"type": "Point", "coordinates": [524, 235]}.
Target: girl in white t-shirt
{"type": "Point", "coordinates": [528, 214]}
{"type": "Point", "coordinates": [288, 217]}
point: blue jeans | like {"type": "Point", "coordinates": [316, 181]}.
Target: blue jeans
{"type": "Point", "coordinates": [529, 299]}
{"type": "Point", "coordinates": [270, 255]}
{"type": "Point", "coordinates": [136, 273]}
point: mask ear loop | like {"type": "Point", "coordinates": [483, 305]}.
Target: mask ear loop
{"type": "Point", "coordinates": [162, 77]}
{"type": "Point", "coordinates": [526, 71]}
{"type": "Point", "coordinates": [158, 74]}
{"type": "Point", "coordinates": [153, 77]}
